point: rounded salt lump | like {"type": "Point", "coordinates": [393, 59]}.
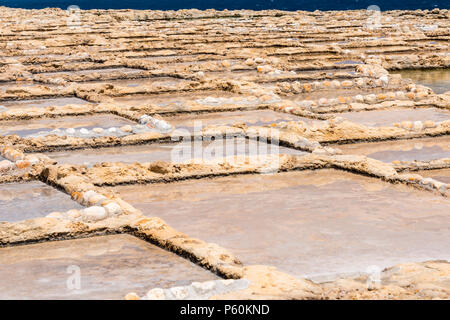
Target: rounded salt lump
{"type": "Point", "coordinates": [156, 294]}
{"type": "Point", "coordinates": [204, 287]}
{"type": "Point", "coordinates": [126, 128]}
{"type": "Point", "coordinates": [94, 214]}
{"type": "Point", "coordinates": [97, 199]}
{"type": "Point", "coordinates": [179, 293]}
{"type": "Point", "coordinates": [6, 165]}
{"type": "Point", "coordinates": [88, 194]}
{"type": "Point", "coordinates": [55, 215]}
{"type": "Point", "coordinates": [384, 79]}
{"type": "Point", "coordinates": [113, 208]}
{"type": "Point", "coordinates": [418, 125]}
{"type": "Point", "coordinates": [74, 214]}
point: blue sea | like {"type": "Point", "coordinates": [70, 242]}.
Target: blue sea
{"type": "Point", "coordinates": [309, 5]}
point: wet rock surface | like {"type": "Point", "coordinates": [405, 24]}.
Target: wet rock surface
{"type": "Point", "coordinates": [87, 109]}
{"type": "Point", "coordinates": [107, 266]}
{"type": "Point", "coordinates": [28, 200]}
{"type": "Point", "coordinates": [425, 149]}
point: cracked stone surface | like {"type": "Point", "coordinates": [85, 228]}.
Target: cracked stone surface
{"type": "Point", "coordinates": [90, 116]}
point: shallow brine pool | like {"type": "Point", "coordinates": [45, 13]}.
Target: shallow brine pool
{"type": "Point", "coordinates": [106, 267]}
{"type": "Point", "coordinates": [196, 122]}
{"type": "Point", "coordinates": [174, 152]}
{"type": "Point", "coordinates": [42, 103]}
{"type": "Point", "coordinates": [28, 200]}
{"type": "Point", "coordinates": [424, 149]}
{"type": "Point", "coordinates": [24, 128]}
{"type": "Point", "coordinates": [387, 118]}
{"type": "Point", "coordinates": [436, 79]}
{"type": "Point", "coordinates": [304, 223]}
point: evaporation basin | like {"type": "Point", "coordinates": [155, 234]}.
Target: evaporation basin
{"type": "Point", "coordinates": [305, 223]}
{"type": "Point", "coordinates": [108, 267]}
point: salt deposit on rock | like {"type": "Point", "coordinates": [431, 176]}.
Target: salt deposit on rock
{"type": "Point", "coordinates": [93, 214]}
{"type": "Point", "coordinates": [198, 290]}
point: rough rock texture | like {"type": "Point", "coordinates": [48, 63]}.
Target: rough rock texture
{"type": "Point", "coordinates": [317, 66]}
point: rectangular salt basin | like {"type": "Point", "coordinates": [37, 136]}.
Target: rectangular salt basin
{"type": "Point", "coordinates": [161, 81]}
{"type": "Point", "coordinates": [109, 268]}
{"type": "Point", "coordinates": [387, 118]}
{"type": "Point", "coordinates": [27, 200]}
{"type": "Point", "coordinates": [304, 223]}
{"type": "Point", "coordinates": [190, 58]}
{"type": "Point", "coordinates": [196, 122]}
{"type": "Point", "coordinates": [425, 149]}
{"type": "Point", "coordinates": [25, 128]}
{"type": "Point", "coordinates": [170, 64]}
{"type": "Point", "coordinates": [42, 103]}
{"type": "Point", "coordinates": [175, 152]}
{"type": "Point", "coordinates": [169, 99]}
{"type": "Point", "coordinates": [442, 175]}
{"type": "Point", "coordinates": [329, 93]}
{"type": "Point", "coordinates": [436, 79]}
{"type": "Point", "coordinates": [125, 70]}
{"type": "Point", "coordinates": [237, 74]}
{"type": "Point", "coordinates": [21, 85]}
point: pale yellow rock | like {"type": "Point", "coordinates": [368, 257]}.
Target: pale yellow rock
{"type": "Point", "coordinates": [132, 296]}
{"type": "Point", "coordinates": [429, 124]}
{"type": "Point", "coordinates": [407, 125]}
{"type": "Point", "coordinates": [249, 62]}
{"type": "Point", "coordinates": [126, 128]}
{"type": "Point", "coordinates": [226, 63]}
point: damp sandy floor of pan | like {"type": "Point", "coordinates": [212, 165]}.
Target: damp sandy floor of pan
{"type": "Point", "coordinates": [326, 73]}
{"type": "Point", "coordinates": [165, 58]}
{"type": "Point", "coordinates": [24, 128]}
{"type": "Point", "coordinates": [250, 118]}
{"type": "Point", "coordinates": [27, 200]}
{"type": "Point", "coordinates": [436, 79]}
{"type": "Point", "coordinates": [109, 268]}
{"type": "Point", "coordinates": [124, 70]}
{"type": "Point", "coordinates": [386, 118]}
{"type": "Point", "coordinates": [237, 74]}
{"type": "Point", "coordinates": [162, 81]}
{"type": "Point", "coordinates": [42, 103]}
{"type": "Point", "coordinates": [175, 152]}
{"type": "Point", "coordinates": [206, 63]}
{"type": "Point", "coordinates": [59, 57]}
{"type": "Point", "coordinates": [423, 149]}
{"type": "Point", "coordinates": [349, 62]}
{"type": "Point", "coordinates": [306, 223]}
{"type": "Point", "coordinates": [330, 94]}
{"type": "Point", "coordinates": [11, 85]}
{"type": "Point", "coordinates": [442, 175]}
{"type": "Point", "coordinates": [170, 99]}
